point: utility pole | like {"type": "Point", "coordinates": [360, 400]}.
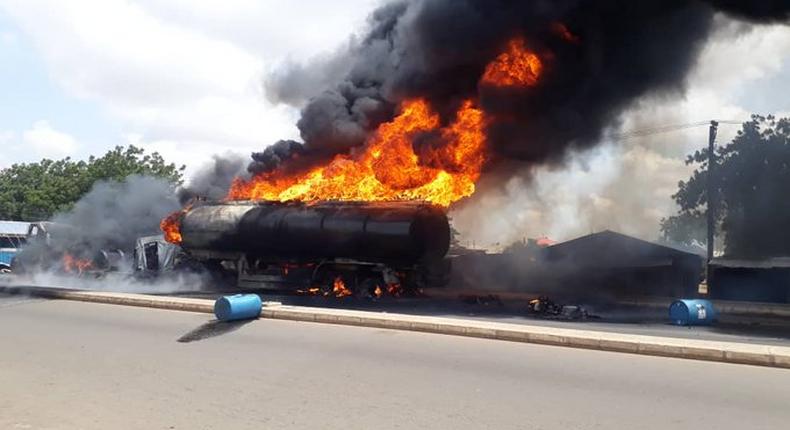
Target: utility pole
{"type": "Point", "coordinates": [711, 189]}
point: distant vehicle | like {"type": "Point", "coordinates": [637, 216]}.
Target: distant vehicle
{"type": "Point", "coordinates": [13, 235]}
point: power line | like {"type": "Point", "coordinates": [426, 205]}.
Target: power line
{"type": "Point", "coordinates": [667, 129]}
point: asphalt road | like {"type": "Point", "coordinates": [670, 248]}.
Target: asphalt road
{"type": "Point", "coordinates": [71, 365]}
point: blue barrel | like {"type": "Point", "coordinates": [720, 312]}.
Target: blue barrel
{"type": "Point", "coordinates": [692, 312]}
{"type": "Point", "coordinates": [237, 307]}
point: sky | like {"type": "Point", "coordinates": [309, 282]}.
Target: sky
{"type": "Point", "coordinates": [180, 77]}
{"type": "Point", "coordinates": [184, 78]}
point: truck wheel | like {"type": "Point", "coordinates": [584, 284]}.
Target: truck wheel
{"type": "Point", "coordinates": [367, 288]}
{"type": "Point", "coordinates": [16, 266]}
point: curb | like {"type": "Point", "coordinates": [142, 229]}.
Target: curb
{"type": "Point", "coordinates": [728, 352]}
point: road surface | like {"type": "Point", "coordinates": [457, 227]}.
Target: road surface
{"type": "Point", "coordinates": [72, 365]}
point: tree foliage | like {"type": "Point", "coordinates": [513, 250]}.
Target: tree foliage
{"type": "Point", "coordinates": [36, 191]}
{"type": "Point", "coordinates": [688, 228]}
{"type": "Point", "coordinates": [752, 185]}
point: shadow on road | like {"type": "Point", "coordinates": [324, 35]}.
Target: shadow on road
{"type": "Point", "coordinates": [16, 297]}
{"type": "Point", "coordinates": [211, 329]}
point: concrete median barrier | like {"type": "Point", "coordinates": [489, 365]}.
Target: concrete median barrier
{"type": "Point", "coordinates": [729, 352]}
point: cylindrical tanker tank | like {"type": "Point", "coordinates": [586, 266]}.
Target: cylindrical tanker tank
{"type": "Point", "coordinates": [372, 231]}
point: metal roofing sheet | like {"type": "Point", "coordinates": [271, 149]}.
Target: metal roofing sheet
{"type": "Point", "coordinates": [14, 227]}
{"type": "Point", "coordinates": [768, 263]}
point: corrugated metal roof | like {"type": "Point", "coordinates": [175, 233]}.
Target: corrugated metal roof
{"type": "Point", "coordinates": [14, 227]}
{"type": "Point", "coordinates": [768, 263]}
{"type": "Point", "coordinates": [609, 249]}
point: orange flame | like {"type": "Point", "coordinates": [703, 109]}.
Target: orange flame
{"type": "Point", "coordinates": [312, 291]}
{"type": "Point", "coordinates": [377, 292]}
{"type": "Point", "coordinates": [339, 288]}
{"type": "Point", "coordinates": [73, 264]}
{"type": "Point", "coordinates": [171, 226]}
{"type": "Point", "coordinates": [394, 289]}
{"type": "Point", "coordinates": [561, 30]}
{"type": "Point", "coordinates": [388, 168]}
{"type": "Point", "coordinates": [286, 268]}
{"type": "Point", "coordinates": [516, 67]}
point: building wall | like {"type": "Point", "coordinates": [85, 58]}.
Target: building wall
{"type": "Point", "coordinates": [521, 273]}
{"type": "Point", "coordinates": [750, 284]}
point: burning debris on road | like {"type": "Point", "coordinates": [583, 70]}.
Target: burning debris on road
{"type": "Point", "coordinates": [339, 289]}
{"type": "Point", "coordinates": [544, 308]}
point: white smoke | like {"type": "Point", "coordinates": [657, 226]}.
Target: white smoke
{"type": "Point", "coordinates": [613, 187]}
{"type": "Point", "coordinates": [114, 214]}
{"type": "Point", "coordinates": [118, 282]}
{"type": "Point", "coordinates": [626, 185]}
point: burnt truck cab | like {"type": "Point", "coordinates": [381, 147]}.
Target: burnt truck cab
{"type": "Point", "coordinates": [367, 244]}
{"type": "Point", "coordinates": [154, 256]}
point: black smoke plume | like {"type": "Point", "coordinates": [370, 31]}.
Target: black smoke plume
{"type": "Point", "coordinates": [213, 179]}
{"type": "Point", "coordinates": [275, 154]}
{"type": "Point", "coordinates": [619, 51]}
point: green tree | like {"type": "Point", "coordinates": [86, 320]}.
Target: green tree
{"type": "Point", "coordinates": [36, 191]}
{"type": "Point", "coordinates": [752, 183]}
{"type": "Point", "coordinates": [687, 227]}
{"type": "Point", "coordinates": [120, 162]}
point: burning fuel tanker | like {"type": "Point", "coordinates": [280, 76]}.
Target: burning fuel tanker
{"type": "Point", "coordinates": [402, 232]}
{"type": "Point", "coordinates": [369, 245]}
{"type": "Point", "coordinates": [372, 213]}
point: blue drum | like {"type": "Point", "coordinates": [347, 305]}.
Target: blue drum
{"type": "Point", "coordinates": [237, 307]}
{"type": "Point", "coordinates": [692, 312]}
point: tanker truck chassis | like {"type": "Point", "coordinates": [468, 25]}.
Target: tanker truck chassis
{"type": "Point", "coordinates": [369, 246]}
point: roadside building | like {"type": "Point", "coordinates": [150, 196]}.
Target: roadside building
{"type": "Point", "coordinates": [600, 266]}
{"type": "Point", "coordinates": [766, 280]}
{"type": "Point", "coordinates": [619, 265]}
